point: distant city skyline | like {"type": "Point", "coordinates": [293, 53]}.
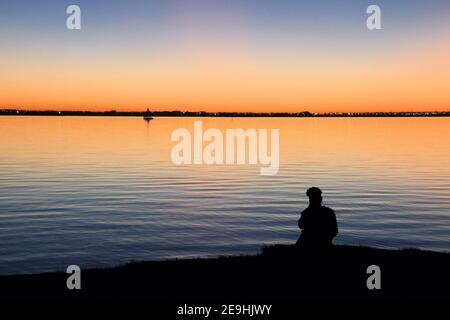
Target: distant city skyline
{"type": "Point", "coordinates": [226, 56]}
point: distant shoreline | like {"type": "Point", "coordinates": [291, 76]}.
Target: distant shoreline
{"type": "Point", "coordinates": [305, 114]}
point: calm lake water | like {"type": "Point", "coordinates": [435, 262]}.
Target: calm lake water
{"type": "Point", "coordinates": [100, 191]}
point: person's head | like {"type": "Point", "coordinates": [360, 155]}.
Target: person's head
{"type": "Point", "coordinates": [315, 196]}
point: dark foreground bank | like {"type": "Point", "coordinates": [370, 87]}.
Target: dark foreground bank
{"type": "Point", "coordinates": [280, 274]}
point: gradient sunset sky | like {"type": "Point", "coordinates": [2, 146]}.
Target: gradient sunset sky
{"type": "Point", "coordinates": [233, 55]}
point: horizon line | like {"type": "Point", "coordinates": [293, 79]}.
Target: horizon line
{"type": "Point", "coordinates": [305, 113]}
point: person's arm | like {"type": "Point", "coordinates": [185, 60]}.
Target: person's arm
{"type": "Point", "coordinates": [334, 225]}
{"type": "Point", "coordinates": [301, 224]}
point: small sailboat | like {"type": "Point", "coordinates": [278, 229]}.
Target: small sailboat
{"type": "Point", "coordinates": [147, 115]}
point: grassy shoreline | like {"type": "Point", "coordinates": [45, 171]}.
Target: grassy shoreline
{"type": "Point", "coordinates": [278, 273]}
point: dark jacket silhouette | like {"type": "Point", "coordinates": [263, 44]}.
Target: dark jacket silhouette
{"type": "Point", "coordinates": [317, 223]}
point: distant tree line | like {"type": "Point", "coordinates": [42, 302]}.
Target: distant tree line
{"type": "Point", "coordinates": [219, 114]}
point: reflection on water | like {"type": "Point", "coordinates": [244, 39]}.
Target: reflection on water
{"type": "Point", "coordinates": [103, 191]}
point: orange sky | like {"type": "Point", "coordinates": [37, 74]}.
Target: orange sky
{"type": "Point", "coordinates": [201, 71]}
{"type": "Point", "coordinates": [210, 82]}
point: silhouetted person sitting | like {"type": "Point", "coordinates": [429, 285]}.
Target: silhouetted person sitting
{"type": "Point", "coordinates": [317, 223]}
